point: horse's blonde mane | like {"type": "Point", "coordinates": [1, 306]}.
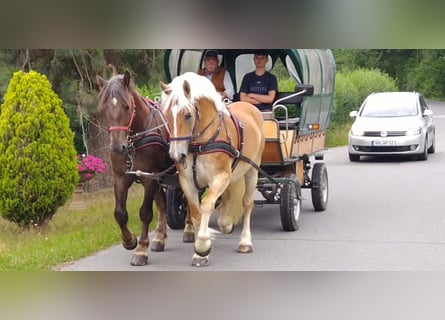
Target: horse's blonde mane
{"type": "Point", "coordinates": [200, 87]}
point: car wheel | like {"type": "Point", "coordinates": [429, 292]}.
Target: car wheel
{"type": "Point", "coordinates": [432, 149]}
{"type": "Point", "coordinates": [354, 157]}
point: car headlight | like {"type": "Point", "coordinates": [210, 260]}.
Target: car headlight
{"type": "Point", "coordinates": [413, 131]}
{"type": "Point", "coordinates": [356, 132]}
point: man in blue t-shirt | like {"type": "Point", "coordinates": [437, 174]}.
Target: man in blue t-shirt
{"type": "Point", "coordinates": [259, 87]}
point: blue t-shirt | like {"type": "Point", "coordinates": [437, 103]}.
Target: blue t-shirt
{"type": "Point", "coordinates": [259, 84]}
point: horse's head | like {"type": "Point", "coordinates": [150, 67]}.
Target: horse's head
{"type": "Point", "coordinates": [183, 105]}
{"type": "Point", "coordinates": [117, 101]}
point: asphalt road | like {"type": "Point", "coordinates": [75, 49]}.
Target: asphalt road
{"type": "Point", "coordinates": [383, 214]}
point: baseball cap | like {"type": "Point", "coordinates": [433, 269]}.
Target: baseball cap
{"type": "Point", "coordinates": [211, 54]}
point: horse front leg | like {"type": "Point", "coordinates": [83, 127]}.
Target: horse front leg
{"type": "Point", "coordinates": [140, 256]}
{"type": "Point", "coordinates": [129, 240]}
{"type": "Point", "coordinates": [203, 242]}
{"type": "Point", "coordinates": [158, 242]}
{"type": "Point", "coordinates": [193, 219]}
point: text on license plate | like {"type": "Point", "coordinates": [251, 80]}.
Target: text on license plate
{"type": "Point", "coordinates": [383, 142]}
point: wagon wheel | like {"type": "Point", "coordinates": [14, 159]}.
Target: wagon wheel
{"type": "Point", "coordinates": [319, 190]}
{"type": "Point", "coordinates": [176, 207]}
{"type": "Point", "coordinates": [290, 206]}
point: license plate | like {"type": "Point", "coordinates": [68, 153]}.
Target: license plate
{"type": "Point", "coordinates": [383, 142]}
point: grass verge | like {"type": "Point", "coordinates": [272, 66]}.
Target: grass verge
{"type": "Point", "coordinates": [337, 136]}
{"type": "Point", "coordinates": [71, 234]}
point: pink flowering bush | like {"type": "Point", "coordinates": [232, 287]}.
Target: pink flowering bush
{"type": "Point", "coordinates": [89, 165]}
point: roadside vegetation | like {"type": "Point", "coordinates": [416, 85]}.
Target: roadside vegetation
{"type": "Point", "coordinates": [69, 236]}
{"type": "Point", "coordinates": [351, 88]}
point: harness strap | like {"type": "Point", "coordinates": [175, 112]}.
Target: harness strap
{"type": "Point", "coordinates": [125, 128]}
{"type": "Point", "coordinates": [148, 139]}
{"type": "Point", "coordinates": [240, 131]}
{"type": "Point", "coordinates": [195, 178]}
{"type": "Point", "coordinates": [213, 145]}
{"type": "Point", "coordinates": [258, 168]}
{"type": "Point", "coordinates": [153, 134]}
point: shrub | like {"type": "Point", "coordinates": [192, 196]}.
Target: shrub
{"type": "Point", "coordinates": [351, 89]}
{"type": "Point", "coordinates": [38, 165]}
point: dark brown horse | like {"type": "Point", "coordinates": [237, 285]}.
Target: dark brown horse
{"type": "Point", "coordinates": [138, 142]}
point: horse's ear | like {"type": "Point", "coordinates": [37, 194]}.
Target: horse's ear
{"type": "Point", "coordinates": [101, 82]}
{"type": "Point", "coordinates": [186, 87]}
{"type": "Point", "coordinates": [165, 88]}
{"type": "Point", "coordinates": [127, 79]}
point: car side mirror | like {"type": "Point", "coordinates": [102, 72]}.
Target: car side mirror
{"type": "Point", "coordinates": [428, 113]}
{"type": "Point", "coordinates": [353, 114]}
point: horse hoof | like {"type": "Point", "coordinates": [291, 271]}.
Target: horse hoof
{"type": "Point", "coordinates": [245, 249]}
{"type": "Point", "coordinates": [198, 261]}
{"type": "Point", "coordinates": [140, 259]}
{"type": "Point", "coordinates": [204, 253]}
{"type": "Point", "coordinates": [157, 246]}
{"type": "Point", "coordinates": [132, 245]}
{"type": "Point", "coordinates": [188, 237]}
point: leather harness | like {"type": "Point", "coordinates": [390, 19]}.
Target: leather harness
{"type": "Point", "coordinates": [212, 145]}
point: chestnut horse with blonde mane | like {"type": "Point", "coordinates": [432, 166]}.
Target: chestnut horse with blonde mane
{"type": "Point", "coordinates": [217, 147]}
{"type": "Point", "coordinates": [138, 142]}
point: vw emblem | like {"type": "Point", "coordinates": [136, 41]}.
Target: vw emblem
{"type": "Point", "coordinates": [383, 134]}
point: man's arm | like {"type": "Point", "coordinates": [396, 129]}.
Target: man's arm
{"type": "Point", "coordinates": [262, 98]}
{"type": "Point", "coordinates": [246, 97]}
{"type": "Point", "coordinates": [228, 86]}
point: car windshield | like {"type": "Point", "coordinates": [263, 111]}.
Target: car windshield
{"type": "Point", "coordinates": [390, 106]}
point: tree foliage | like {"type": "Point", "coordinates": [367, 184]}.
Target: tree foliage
{"type": "Point", "coordinates": [398, 64]}
{"type": "Point", "coordinates": [38, 164]}
{"type": "Point", "coordinates": [428, 75]}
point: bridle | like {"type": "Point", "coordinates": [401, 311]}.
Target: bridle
{"type": "Point", "coordinates": [193, 136]}
{"type": "Point", "coordinates": [141, 139]}
{"type": "Point", "coordinates": [130, 123]}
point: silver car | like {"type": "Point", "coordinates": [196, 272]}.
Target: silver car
{"type": "Point", "coordinates": [392, 123]}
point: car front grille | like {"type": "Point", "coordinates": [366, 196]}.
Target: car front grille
{"type": "Point", "coordinates": [384, 149]}
{"type": "Point", "coordinates": [389, 133]}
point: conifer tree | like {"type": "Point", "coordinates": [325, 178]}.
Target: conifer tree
{"type": "Point", "coordinates": [38, 165]}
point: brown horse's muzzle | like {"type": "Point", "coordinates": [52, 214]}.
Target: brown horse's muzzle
{"type": "Point", "coordinates": [119, 143]}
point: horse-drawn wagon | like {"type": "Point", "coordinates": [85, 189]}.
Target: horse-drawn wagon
{"type": "Point", "coordinates": [190, 141]}
{"type": "Point", "coordinates": [295, 130]}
